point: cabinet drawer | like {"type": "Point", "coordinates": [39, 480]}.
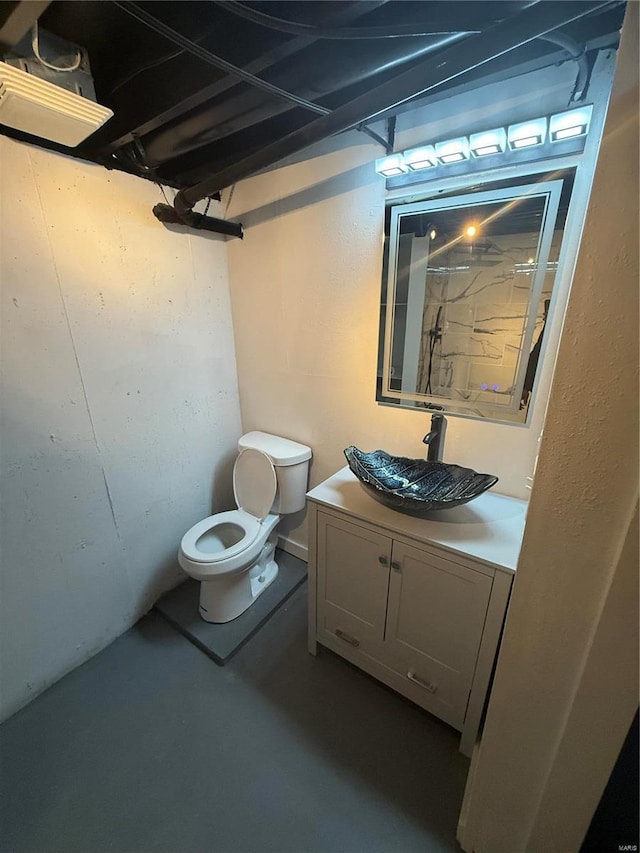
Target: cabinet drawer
{"type": "Point", "coordinates": [432, 685]}
{"type": "Point", "coordinates": [436, 616]}
{"type": "Point", "coordinates": [344, 633]}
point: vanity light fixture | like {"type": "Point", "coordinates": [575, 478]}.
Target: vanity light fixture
{"type": "Point", "coordinates": [569, 124]}
{"type": "Point", "coordinates": [488, 142]}
{"type": "Point", "coordinates": [421, 158]}
{"type": "Point", "coordinates": [453, 150]}
{"type": "Point", "coordinates": [391, 165]}
{"type": "Point", "coordinates": [525, 134]}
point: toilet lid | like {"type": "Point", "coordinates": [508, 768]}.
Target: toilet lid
{"type": "Point", "coordinates": [254, 483]}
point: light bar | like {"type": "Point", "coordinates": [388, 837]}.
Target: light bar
{"type": "Point", "coordinates": [570, 124]}
{"type": "Point", "coordinates": [421, 158]}
{"type": "Point", "coordinates": [527, 133]}
{"type": "Point", "coordinates": [488, 142]}
{"type": "Point", "coordinates": [453, 150]}
{"type": "Point", "coordinates": [392, 165]}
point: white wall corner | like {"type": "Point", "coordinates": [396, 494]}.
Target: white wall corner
{"type": "Point", "coordinates": [566, 683]}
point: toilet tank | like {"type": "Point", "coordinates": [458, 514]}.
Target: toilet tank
{"type": "Point", "coordinates": [291, 463]}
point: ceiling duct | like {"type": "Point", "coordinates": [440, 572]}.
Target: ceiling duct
{"type": "Point", "coordinates": [46, 89]}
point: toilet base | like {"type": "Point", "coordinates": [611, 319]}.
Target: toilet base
{"type": "Point", "coordinates": [225, 598]}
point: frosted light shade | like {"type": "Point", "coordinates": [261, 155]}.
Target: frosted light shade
{"type": "Point", "coordinates": [570, 123]}
{"type": "Point", "coordinates": [488, 142]}
{"type": "Point", "coordinates": [391, 165]}
{"type": "Point", "coordinates": [421, 158]}
{"type": "Point", "coordinates": [453, 150]}
{"type": "Point", "coordinates": [527, 133]}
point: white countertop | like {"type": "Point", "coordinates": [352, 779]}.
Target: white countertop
{"type": "Point", "coordinates": [488, 528]}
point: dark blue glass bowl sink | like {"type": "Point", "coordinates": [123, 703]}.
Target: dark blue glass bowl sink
{"type": "Point", "coordinates": [416, 486]}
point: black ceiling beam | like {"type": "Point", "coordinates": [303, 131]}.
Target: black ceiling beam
{"type": "Point", "coordinates": [355, 10]}
{"type": "Point", "coordinates": [507, 72]}
{"type": "Point", "coordinates": [191, 46]}
{"type": "Point", "coordinates": [16, 19]}
{"type": "Point", "coordinates": [317, 79]}
{"type": "Point", "coordinates": [535, 20]}
{"type": "Point", "coordinates": [196, 165]}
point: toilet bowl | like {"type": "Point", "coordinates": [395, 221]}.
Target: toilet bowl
{"type": "Point", "coordinates": [232, 553]}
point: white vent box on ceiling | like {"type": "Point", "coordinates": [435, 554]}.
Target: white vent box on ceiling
{"type": "Point", "coordinates": [34, 106]}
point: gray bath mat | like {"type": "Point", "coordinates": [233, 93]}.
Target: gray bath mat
{"type": "Point", "coordinates": [180, 608]}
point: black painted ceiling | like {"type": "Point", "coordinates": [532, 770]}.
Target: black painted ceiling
{"type": "Point", "coordinates": [181, 120]}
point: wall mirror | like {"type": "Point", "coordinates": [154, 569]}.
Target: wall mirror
{"type": "Point", "coordinates": [467, 290]}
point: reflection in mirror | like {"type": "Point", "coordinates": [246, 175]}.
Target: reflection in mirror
{"type": "Point", "coordinates": [467, 288]}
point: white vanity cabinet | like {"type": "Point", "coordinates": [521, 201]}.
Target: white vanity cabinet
{"type": "Point", "coordinates": [389, 593]}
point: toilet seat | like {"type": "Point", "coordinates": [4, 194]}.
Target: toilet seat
{"type": "Point", "coordinates": [228, 541]}
{"type": "Point", "coordinates": [249, 528]}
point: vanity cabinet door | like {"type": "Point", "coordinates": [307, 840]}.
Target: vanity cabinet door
{"type": "Point", "coordinates": [353, 581]}
{"type": "Point", "coordinates": [435, 621]}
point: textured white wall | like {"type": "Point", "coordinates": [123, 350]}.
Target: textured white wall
{"type": "Point", "coordinates": [305, 290]}
{"type": "Point", "coordinates": [566, 685]}
{"type": "Point", "coordinates": [120, 409]}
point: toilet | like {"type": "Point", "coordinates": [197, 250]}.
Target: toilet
{"type": "Point", "coordinates": [232, 553]}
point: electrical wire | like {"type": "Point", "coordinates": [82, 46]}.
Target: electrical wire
{"type": "Point", "coordinates": [347, 33]}
{"type": "Point", "coordinates": [146, 67]}
{"type": "Point", "coordinates": [163, 192]}
{"type": "Point", "coordinates": [217, 61]}
{"type": "Point", "coordinates": [154, 63]}
{"type": "Point", "coordinates": [35, 46]}
{"type": "Point", "coordinates": [194, 48]}
{"type": "Point", "coordinates": [231, 192]}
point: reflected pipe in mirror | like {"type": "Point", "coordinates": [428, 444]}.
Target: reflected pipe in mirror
{"type": "Point", "coordinates": [467, 286]}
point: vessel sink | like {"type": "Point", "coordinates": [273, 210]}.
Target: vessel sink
{"type": "Point", "coordinates": [416, 486]}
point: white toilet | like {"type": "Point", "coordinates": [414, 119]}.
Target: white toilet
{"type": "Point", "coordinates": [232, 553]}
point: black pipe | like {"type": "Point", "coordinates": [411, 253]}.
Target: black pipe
{"type": "Point", "coordinates": [448, 64]}
{"type": "Point", "coordinates": [170, 215]}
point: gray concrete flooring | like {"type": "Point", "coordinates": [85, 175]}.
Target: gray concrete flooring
{"type": "Point", "coordinates": [150, 746]}
{"type": "Point", "coordinates": [180, 608]}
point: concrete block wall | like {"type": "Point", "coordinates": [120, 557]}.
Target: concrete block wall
{"type": "Point", "coordinates": [120, 411]}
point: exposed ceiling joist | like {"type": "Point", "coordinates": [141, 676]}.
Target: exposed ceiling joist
{"type": "Point", "coordinates": [351, 12]}
{"type": "Point", "coordinates": [18, 18]}
{"type": "Point", "coordinates": [182, 121]}
{"type": "Point", "coordinates": [448, 64]}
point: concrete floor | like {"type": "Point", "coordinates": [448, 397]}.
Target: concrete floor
{"type": "Point", "coordinates": [151, 746]}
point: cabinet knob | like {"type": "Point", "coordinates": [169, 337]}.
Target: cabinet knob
{"type": "Point", "coordinates": [384, 560]}
{"type": "Point", "coordinates": [395, 566]}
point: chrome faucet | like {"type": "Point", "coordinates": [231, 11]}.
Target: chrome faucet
{"type": "Point", "coordinates": [435, 438]}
